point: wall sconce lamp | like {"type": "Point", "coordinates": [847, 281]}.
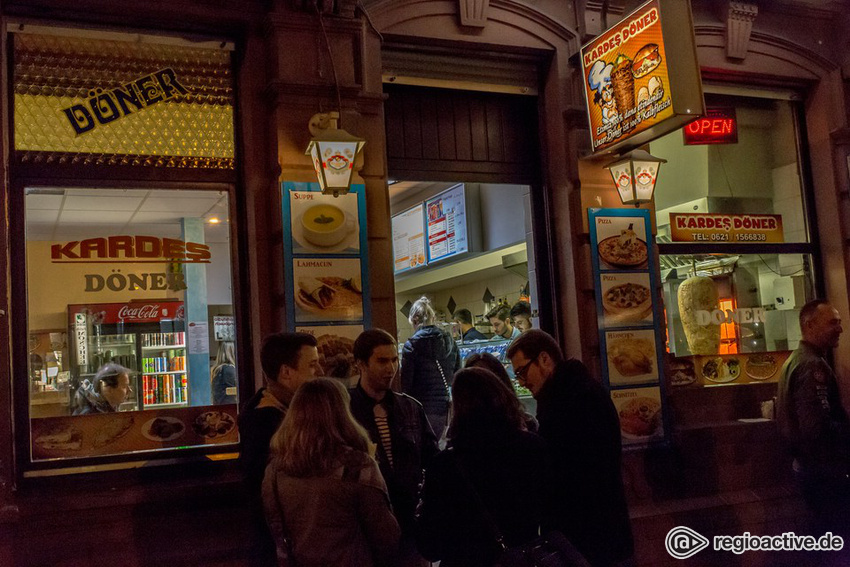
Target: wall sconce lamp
{"type": "Point", "coordinates": [635, 175]}
{"type": "Point", "coordinates": [333, 151]}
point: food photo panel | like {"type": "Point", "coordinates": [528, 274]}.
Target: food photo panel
{"type": "Point", "coordinates": [621, 243]}
{"type": "Point", "coordinates": [324, 224]}
{"type": "Point", "coordinates": [327, 289]}
{"type": "Point", "coordinates": [632, 358]}
{"type": "Point", "coordinates": [626, 299]}
{"type": "Point", "coordinates": [336, 349]}
{"type": "Point", "coordinates": [639, 410]}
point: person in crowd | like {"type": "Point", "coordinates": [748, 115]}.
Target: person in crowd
{"type": "Point", "coordinates": [500, 319]}
{"type": "Point", "coordinates": [429, 359]}
{"type": "Point", "coordinates": [223, 374]}
{"type": "Point", "coordinates": [105, 393]}
{"type": "Point", "coordinates": [579, 421]}
{"type": "Point", "coordinates": [521, 315]}
{"type": "Point", "coordinates": [491, 456]}
{"type": "Point", "coordinates": [288, 360]}
{"type": "Point", "coordinates": [397, 424]}
{"type": "Point", "coordinates": [324, 497]}
{"type": "Point", "coordinates": [812, 420]}
{"type": "Point", "coordinates": [463, 317]}
{"type": "Point", "coordinates": [491, 363]}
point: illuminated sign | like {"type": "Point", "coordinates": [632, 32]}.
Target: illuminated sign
{"type": "Point", "coordinates": [130, 249]}
{"type": "Point", "coordinates": [733, 229]}
{"type": "Point", "coordinates": [719, 126]}
{"type": "Point", "coordinates": [641, 77]}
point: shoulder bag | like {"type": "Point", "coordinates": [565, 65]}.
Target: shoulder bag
{"type": "Point", "coordinates": [550, 550]}
{"type": "Point", "coordinates": [283, 543]}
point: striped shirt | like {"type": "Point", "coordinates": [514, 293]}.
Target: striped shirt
{"type": "Point", "coordinates": [384, 431]}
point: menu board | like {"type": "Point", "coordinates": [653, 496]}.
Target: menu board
{"type": "Point", "coordinates": [324, 249]}
{"type": "Point", "coordinates": [627, 310]}
{"type": "Point", "coordinates": [409, 239]}
{"type": "Point", "coordinates": [446, 215]}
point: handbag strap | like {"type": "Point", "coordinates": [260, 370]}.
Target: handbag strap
{"type": "Point", "coordinates": [443, 376]}
{"type": "Point", "coordinates": [284, 556]}
{"type": "Point", "coordinates": [485, 512]}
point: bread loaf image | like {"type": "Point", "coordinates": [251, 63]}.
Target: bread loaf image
{"type": "Point", "coordinates": [699, 294]}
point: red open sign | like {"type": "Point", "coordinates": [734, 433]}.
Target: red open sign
{"type": "Point", "coordinates": [718, 126]}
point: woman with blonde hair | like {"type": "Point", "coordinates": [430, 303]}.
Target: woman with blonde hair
{"type": "Point", "coordinates": [326, 502]}
{"type": "Point", "coordinates": [223, 374]}
{"type": "Point", "coordinates": [429, 360]}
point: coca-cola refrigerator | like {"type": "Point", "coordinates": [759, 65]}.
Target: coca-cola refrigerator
{"type": "Point", "coordinates": [147, 337]}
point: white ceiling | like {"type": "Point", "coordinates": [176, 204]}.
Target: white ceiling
{"type": "Point", "coordinates": [59, 214]}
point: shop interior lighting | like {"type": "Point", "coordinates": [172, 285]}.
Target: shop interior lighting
{"type": "Point", "coordinates": [635, 175]}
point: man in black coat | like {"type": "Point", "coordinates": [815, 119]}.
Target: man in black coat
{"type": "Point", "coordinates": [580, 423]}
{"type": "Point", "coordinates": [288, 360]}
{"type": "Point", "coordinates": [397, 425]}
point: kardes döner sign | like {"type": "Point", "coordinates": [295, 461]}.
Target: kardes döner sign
{"type": "Point", "coordinates": [130, 249]}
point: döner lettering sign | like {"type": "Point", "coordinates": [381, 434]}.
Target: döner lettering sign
{"type": "Point", "coordinates": [103, 107]}
{"type": "Point", "coordinates": [719, 228]}
{"type": "Point", "coordinates": [130, 249]}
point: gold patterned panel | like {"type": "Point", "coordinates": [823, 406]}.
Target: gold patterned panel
{"type": "Point", "coordinates": [92, 100]}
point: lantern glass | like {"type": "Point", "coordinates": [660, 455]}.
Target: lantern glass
{"type": "Point", "coordinates": [646, 173]}
{"type": "Point", "coordinates": [622, 175]}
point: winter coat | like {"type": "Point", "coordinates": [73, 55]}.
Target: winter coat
{"type": "Point", "coordinates": [224, 378]}
{"type": "Point", "coordinates": [342, 519]}
{"type": "Point", "coordinates": [579, 421]}
{"type": "Point", "coordinates": [420, 375]}
{"type": "Point", "coordinates": [87, 401]}
{"type": "Point", "coordinates": [512, 474]}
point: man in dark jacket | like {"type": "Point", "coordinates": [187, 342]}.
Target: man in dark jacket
{"type": "Point", "coordinates": [288, 360]}
{"type": "Point", "coordinates": [397, 425]}
{"type": "Point", "coordinates": [812, 420]}
{"type": "Point", "coordinates": [579, 421]}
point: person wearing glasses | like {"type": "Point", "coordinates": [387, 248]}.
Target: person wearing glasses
{"type": "Point", "coordinates": [579, 421]}
{"type": "Point", "coordinates": [105, 393]}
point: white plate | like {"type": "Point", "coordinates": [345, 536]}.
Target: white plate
{"type": "Point", "coordinates": [351, 240]}
{"type": "Point", "coordinates": [146, 429]}
{"type": "Point", "coordinates": [211, 424]}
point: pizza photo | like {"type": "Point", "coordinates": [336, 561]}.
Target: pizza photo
{"type": "Point", "coordinates": [624, 251]}
{"type": "Point", "coordinates": [627, 302]}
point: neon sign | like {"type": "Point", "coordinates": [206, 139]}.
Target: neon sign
{"type": "Point", "coordinates": [718, 126]}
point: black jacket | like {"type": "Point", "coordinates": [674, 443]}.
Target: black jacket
{"type": "Point", "coordinates": [510, 471]}
{"type": "Point", "coordinates": [420, 375]}
{"type": "Point", "coordinates": [414, 445]}
{"type": "Point", "coordinates": [580, 423]}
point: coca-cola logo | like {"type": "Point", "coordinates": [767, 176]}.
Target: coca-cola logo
{"type": "Point", "coordinates": [140, 312]}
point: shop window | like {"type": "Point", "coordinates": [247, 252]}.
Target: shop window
{"type": "Point", "coordinates": [86, 97]}
{"type": "Point", "coordinates": [756, 172]}
{"type": "Point", "coordinates": [130, 321]}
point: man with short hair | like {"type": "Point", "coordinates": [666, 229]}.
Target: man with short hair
{"type": "Point", "coordinates": [578, 420]}
{"type": "Point", "coordinates": [500, 319]}
{"type": "Point", "coordinates": [521, 315]}
{"type": "Point", "coordinates": [397, 425]}
{"type": "Point", "coordinates": [812, 420]}
{"type": "Point", "coordinates": [288, 360]}
{"type": "Point", "coordinates": [463, 317]}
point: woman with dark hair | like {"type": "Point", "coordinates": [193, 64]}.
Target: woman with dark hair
{"type": "Point", "coordinates": [491, 363]}
{"type": "Point", "coordinates": [493, 456]}
{"type": "Point", "coordinates": [105, 392]}
{"type": "Point", "coordinates": [326, 502]}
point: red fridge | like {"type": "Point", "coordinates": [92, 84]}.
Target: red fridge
{"type": "Point", "coordinates": [147, 337]}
